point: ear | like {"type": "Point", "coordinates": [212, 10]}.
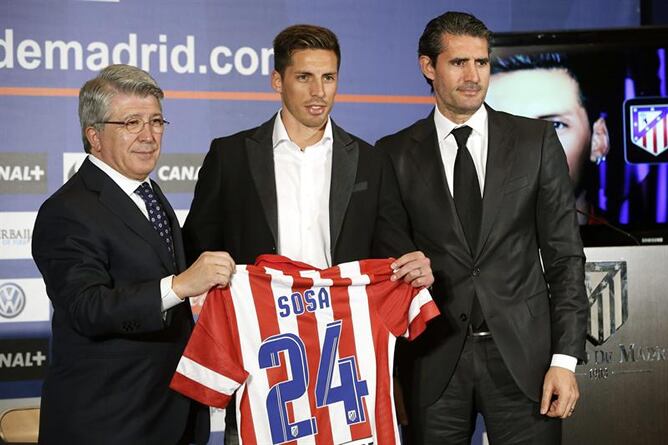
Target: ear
{"type": "Point", "coordinates": [93, 137]}
{"type": "Point", "coordinates": [427, 67]}
{"type": "Point", "coordinates": [600, 141]}
{"type": "Point", "coordinates": [276, 81]}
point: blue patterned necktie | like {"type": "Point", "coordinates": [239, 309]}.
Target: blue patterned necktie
{"type": "Point", "coordinates": [157, 216]}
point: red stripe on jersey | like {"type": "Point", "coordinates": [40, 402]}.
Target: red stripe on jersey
{"type": "Point", "coordinates": [244, 405]}
{"type": "Point", "coordinates": [212, 352]}
{"type": "Point", "coordinates": [385, 413]}
{"type": "Point", "coordinates": [341, 310]}
{"type": "Point", "coordinates": [428, 311]}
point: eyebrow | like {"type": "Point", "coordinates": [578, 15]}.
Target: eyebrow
{"type": "Point", "coordinates": [551, 116]}
{"type": "Point", "coordinates": [465, 59]}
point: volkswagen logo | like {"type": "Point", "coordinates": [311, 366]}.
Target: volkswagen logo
{"type": "Point", "coordinates": [12, 300]}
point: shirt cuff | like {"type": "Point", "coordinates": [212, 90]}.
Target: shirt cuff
{"type": "Point", "coordinates": [169, 298]}
{"type": "Point", "coordinates": [564, 361]}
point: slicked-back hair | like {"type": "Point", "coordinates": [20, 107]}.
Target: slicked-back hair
{"type": "Point", "coordinates": [451, 22]}
{"type": "Point", "coordinates": [299, 37]}
{"type": "Point", "coordinates": [96, 94]}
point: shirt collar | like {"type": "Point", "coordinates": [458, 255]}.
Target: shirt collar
{"type": "Point", "coordinates": [477, 122]}
{"type": "Point", "coordinates": [126, 184]}
{"type": "Point", "coordinates": [280, 134]}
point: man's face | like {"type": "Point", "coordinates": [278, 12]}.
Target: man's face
{"type": "Point", "coordinates": [307, 88]}
{"type": "Point", "coordinates": [133, 155]}
{"type": "Point", "coordinates": [550, 94]}
{"type": "Point", "coordinates": [460, 75]}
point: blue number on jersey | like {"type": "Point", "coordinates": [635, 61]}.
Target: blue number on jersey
{"type": "Point", "coordinates": [350, 391]}
{"type": "Point", "coordinates": [281, 393]}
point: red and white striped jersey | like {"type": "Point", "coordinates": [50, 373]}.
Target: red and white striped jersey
{"type": "Point", "coordinates": [309, 352]}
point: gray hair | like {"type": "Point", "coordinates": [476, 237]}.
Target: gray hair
{"type": "Point", "coordinates": [96, 94]}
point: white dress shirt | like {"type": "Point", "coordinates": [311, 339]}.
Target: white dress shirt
{"type": "Point", "coordinates": [477, 145]}
{"type": "Point", "coordinates": [169, 298]}
{"type": "Point", "coordinates": [303, 180]}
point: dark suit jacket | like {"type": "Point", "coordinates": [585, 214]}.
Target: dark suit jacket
{"type": "Point", "coordinates": [528, 207]}
{"type": "Point", "coordinates": [235, 207]}
{"type": "Point", "coordinates": [113, 355]}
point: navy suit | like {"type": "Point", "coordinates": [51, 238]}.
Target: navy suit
{"type": "Point", "coordinates": [113, 353]}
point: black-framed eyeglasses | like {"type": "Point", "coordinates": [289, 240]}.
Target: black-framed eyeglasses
{"type": "Point", "coordinates": [135, 125]}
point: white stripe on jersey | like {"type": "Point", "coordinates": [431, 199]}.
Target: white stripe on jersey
{"type": "Point", "coordinates": [206, 377]}
{"type": "Point", "coordinates": [281, 284]}
{"type": "Point", "coordinates": [249, 339]}
{"type": "Point", "coordinates": [366, 353]}
{"type": "Point", "coordinates": [423, 297]}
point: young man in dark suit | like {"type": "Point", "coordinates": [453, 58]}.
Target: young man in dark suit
{"type": "Point", "coordinates": [110, 250]}
{"type": "Point", "coordinates": [490, 202]}
{"type": "Point", "coordinates": [299, 185]}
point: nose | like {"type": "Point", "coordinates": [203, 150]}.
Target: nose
{"type": "Point", "coordinates": [471, 73]}
{"type": "Point", "coordinates": [317, 88]}
{"type": "Point", "coordinates": [147, 132]}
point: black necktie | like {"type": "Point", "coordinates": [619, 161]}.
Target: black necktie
{"type": "Point", "coordinates": [157, 216]}
{"type": "Point", "coordinates": [469, 206]}
{"type": "Point", "coordinates": [467, 189]}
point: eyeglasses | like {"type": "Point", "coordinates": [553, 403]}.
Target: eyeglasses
{"type": "Point", "coordinates": [135, 125]}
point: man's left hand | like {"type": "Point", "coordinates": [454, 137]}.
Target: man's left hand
{"type": "Point", "coordinates": [559, 382]}
{"type": "Point", "coordinates": [413, 268]}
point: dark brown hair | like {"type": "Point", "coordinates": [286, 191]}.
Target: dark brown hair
{"type": "Point", "coordinates": [298, 37]}
{"type": "Point", "coordinates": [452, 22]}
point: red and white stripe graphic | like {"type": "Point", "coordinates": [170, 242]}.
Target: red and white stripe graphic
{"type": "Point", "coordinates": [277, 297]}
{"type": "Point", "coordinates": [652, 135]}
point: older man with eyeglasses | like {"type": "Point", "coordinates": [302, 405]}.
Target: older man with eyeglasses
{"type": "Point", "coordinates": [110, 250]}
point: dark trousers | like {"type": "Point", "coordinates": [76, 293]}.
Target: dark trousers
{"type": "Point", "coordinates": [482, 384]}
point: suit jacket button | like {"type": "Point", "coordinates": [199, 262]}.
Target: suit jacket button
{"type": "Point", "coordinates": [463, 317]}
{"type": "Point", "coordinates": [475, 272]}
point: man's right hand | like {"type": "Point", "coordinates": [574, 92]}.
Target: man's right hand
{"type": "Point", "coordinates": [209, 270]}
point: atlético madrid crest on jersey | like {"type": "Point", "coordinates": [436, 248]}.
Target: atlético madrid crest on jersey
{"type": "Point", "coordinates": [649, 127]}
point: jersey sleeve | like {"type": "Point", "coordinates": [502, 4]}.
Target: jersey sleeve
{"type": "Point", "coordinates": [211, 368]}
{"type": "Point", "coordinates": [404, 309]}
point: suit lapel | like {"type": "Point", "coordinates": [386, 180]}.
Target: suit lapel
{"type": "Point", "coordinates": [261, 164]}
{"type": "Point", "coordinates": [345, 155]}
{"type": "Point", "coordinates": [426, 155]}
{"type": "Point", "coordinates": [114, 199]}
{"type": "Point", "coordinates": [499, 162]}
